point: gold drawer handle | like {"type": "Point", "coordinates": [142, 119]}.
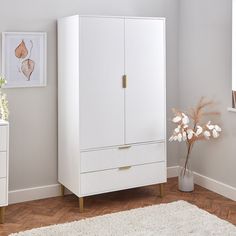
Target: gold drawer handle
{"type": "Point", "coordinates": [124, 81]}
{"type": "Point", "coordinates": [125, 168]}
{"type": "Point", "coordinates": [125, 147]}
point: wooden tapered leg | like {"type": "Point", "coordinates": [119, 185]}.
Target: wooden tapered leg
{"type": "Point", "coordinates": [2, 215]}
{"type": "Point", "coordinates": [62, 190]}
{"type": "Point", "coordinates": [81, 204]}
{"type": "Point", "coordinates": [161, 186]}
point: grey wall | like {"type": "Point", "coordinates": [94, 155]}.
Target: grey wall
{"type": "Point", "coordinates": [33, 119]}
{"type": "Point", "coordinates": [205, 69]}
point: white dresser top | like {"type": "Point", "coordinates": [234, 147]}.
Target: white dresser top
{"type": "Point", "coordinates": [3, 122]}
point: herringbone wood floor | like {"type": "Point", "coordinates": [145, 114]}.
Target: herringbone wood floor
{"type": "Point", "coordinates": [23, 216]}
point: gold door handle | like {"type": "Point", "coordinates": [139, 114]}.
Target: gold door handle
{"type": "Point", "coordinates": [125, 168]}
{"type": "Point", "coordinates": [124, 147]}
{"type": "Point", "coordinates": [124, 81]}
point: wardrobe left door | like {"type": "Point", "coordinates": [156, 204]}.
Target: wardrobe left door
{"type": "Point", "coordinates": [101, 43]}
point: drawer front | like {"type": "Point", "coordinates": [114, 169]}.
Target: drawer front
{"type": "Point", "coordinates": [3, 164]}
{"type": "Point", "coordinates": [114, 158]}
{"type": "Point", "coordinates": [3, 138]}
{"type": "Point", "coordinates": [116, 179]}
{"type": "Point", "coordinates": [3, 199]}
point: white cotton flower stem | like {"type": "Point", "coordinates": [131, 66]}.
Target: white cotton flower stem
{"type": "Point", "coordinates": [190, 146]}
{"type": "Point", "coordinates": [187, 158]}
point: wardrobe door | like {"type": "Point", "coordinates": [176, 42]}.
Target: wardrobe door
{"type": "Point", "coordinates": [145, 70]}
{"type": "Point", "coordinates": [101, 71]}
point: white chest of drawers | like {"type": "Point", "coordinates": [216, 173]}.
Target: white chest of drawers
{"type": "Point", "coordinates": [4, 163]}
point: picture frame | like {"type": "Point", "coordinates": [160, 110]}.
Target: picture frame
{"type": "Point", "coordinates": [24, 59]}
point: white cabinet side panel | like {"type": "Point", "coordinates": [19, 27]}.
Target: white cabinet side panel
{"type": "Point", "coordinates": [3, 164]}
{"type": "Point", "coordinates": [145, 69]}
{"type": "Point", "coordinates": [3, 192]}
{"type": "Point", "coordinates": [101, 92]}
{"type": "Point", "coordinates": [3, 140]}
{"type": "Point", "coordinates": [68, 103]}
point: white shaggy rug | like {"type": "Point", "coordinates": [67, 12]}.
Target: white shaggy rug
{"type": "Point", "coordinates": [177, 218]}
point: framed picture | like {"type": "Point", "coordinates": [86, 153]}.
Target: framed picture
{"type": "Point", "coordinates": [24, 59]}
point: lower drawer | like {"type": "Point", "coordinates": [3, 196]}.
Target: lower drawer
{"type": "Point", "coordinates": [118, 179]}
{"type": "Point", "coordinates": [3, 164]}
{"type": "Point", "coordinates": [3, 192]}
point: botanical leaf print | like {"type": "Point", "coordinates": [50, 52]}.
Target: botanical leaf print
{"type": "Point", "coordinates": [21, 51]}
{"type": "Point", "coordinates": [26, 64]}
{"type": "Point", "coordinates": [27, 68]}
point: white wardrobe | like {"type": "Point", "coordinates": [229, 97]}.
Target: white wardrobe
{"type": "Point", "coordinates": [111, 103]}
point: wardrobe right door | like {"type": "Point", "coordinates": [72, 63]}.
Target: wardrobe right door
{"type": "Point", "coordinates": [145, 70]}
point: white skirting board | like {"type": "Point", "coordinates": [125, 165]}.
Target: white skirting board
{"type": "Point", "coordinates": [172, 171]}
{"type": "Point", "coordinates": [215, 186]}
{"type": "Point", "coordinates": [30, 194]}
{"type": "Point", "coordinates": [54, 190]}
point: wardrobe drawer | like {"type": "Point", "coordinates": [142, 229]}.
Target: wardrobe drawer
{"type": "Point", "coordinates": [117, 157]}
{"type": "Point", "coordinates": [122, 178]}
{"type": "Point", "coordinates": [3, 184]}
{"type": "Point", "coordinates": [3, 138]}
{"type": "Point", "coordinates": [3, 164]}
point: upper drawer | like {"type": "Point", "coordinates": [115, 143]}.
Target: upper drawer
{"type": "Point", "coordinates": [115, 157]}
{"type": "Point", "coordinates": [3, 138]}
{"type": "Point", "coordinates": [3, 164]}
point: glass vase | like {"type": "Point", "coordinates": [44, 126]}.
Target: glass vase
{"type": "Point", "coordinates": [185, 178]}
